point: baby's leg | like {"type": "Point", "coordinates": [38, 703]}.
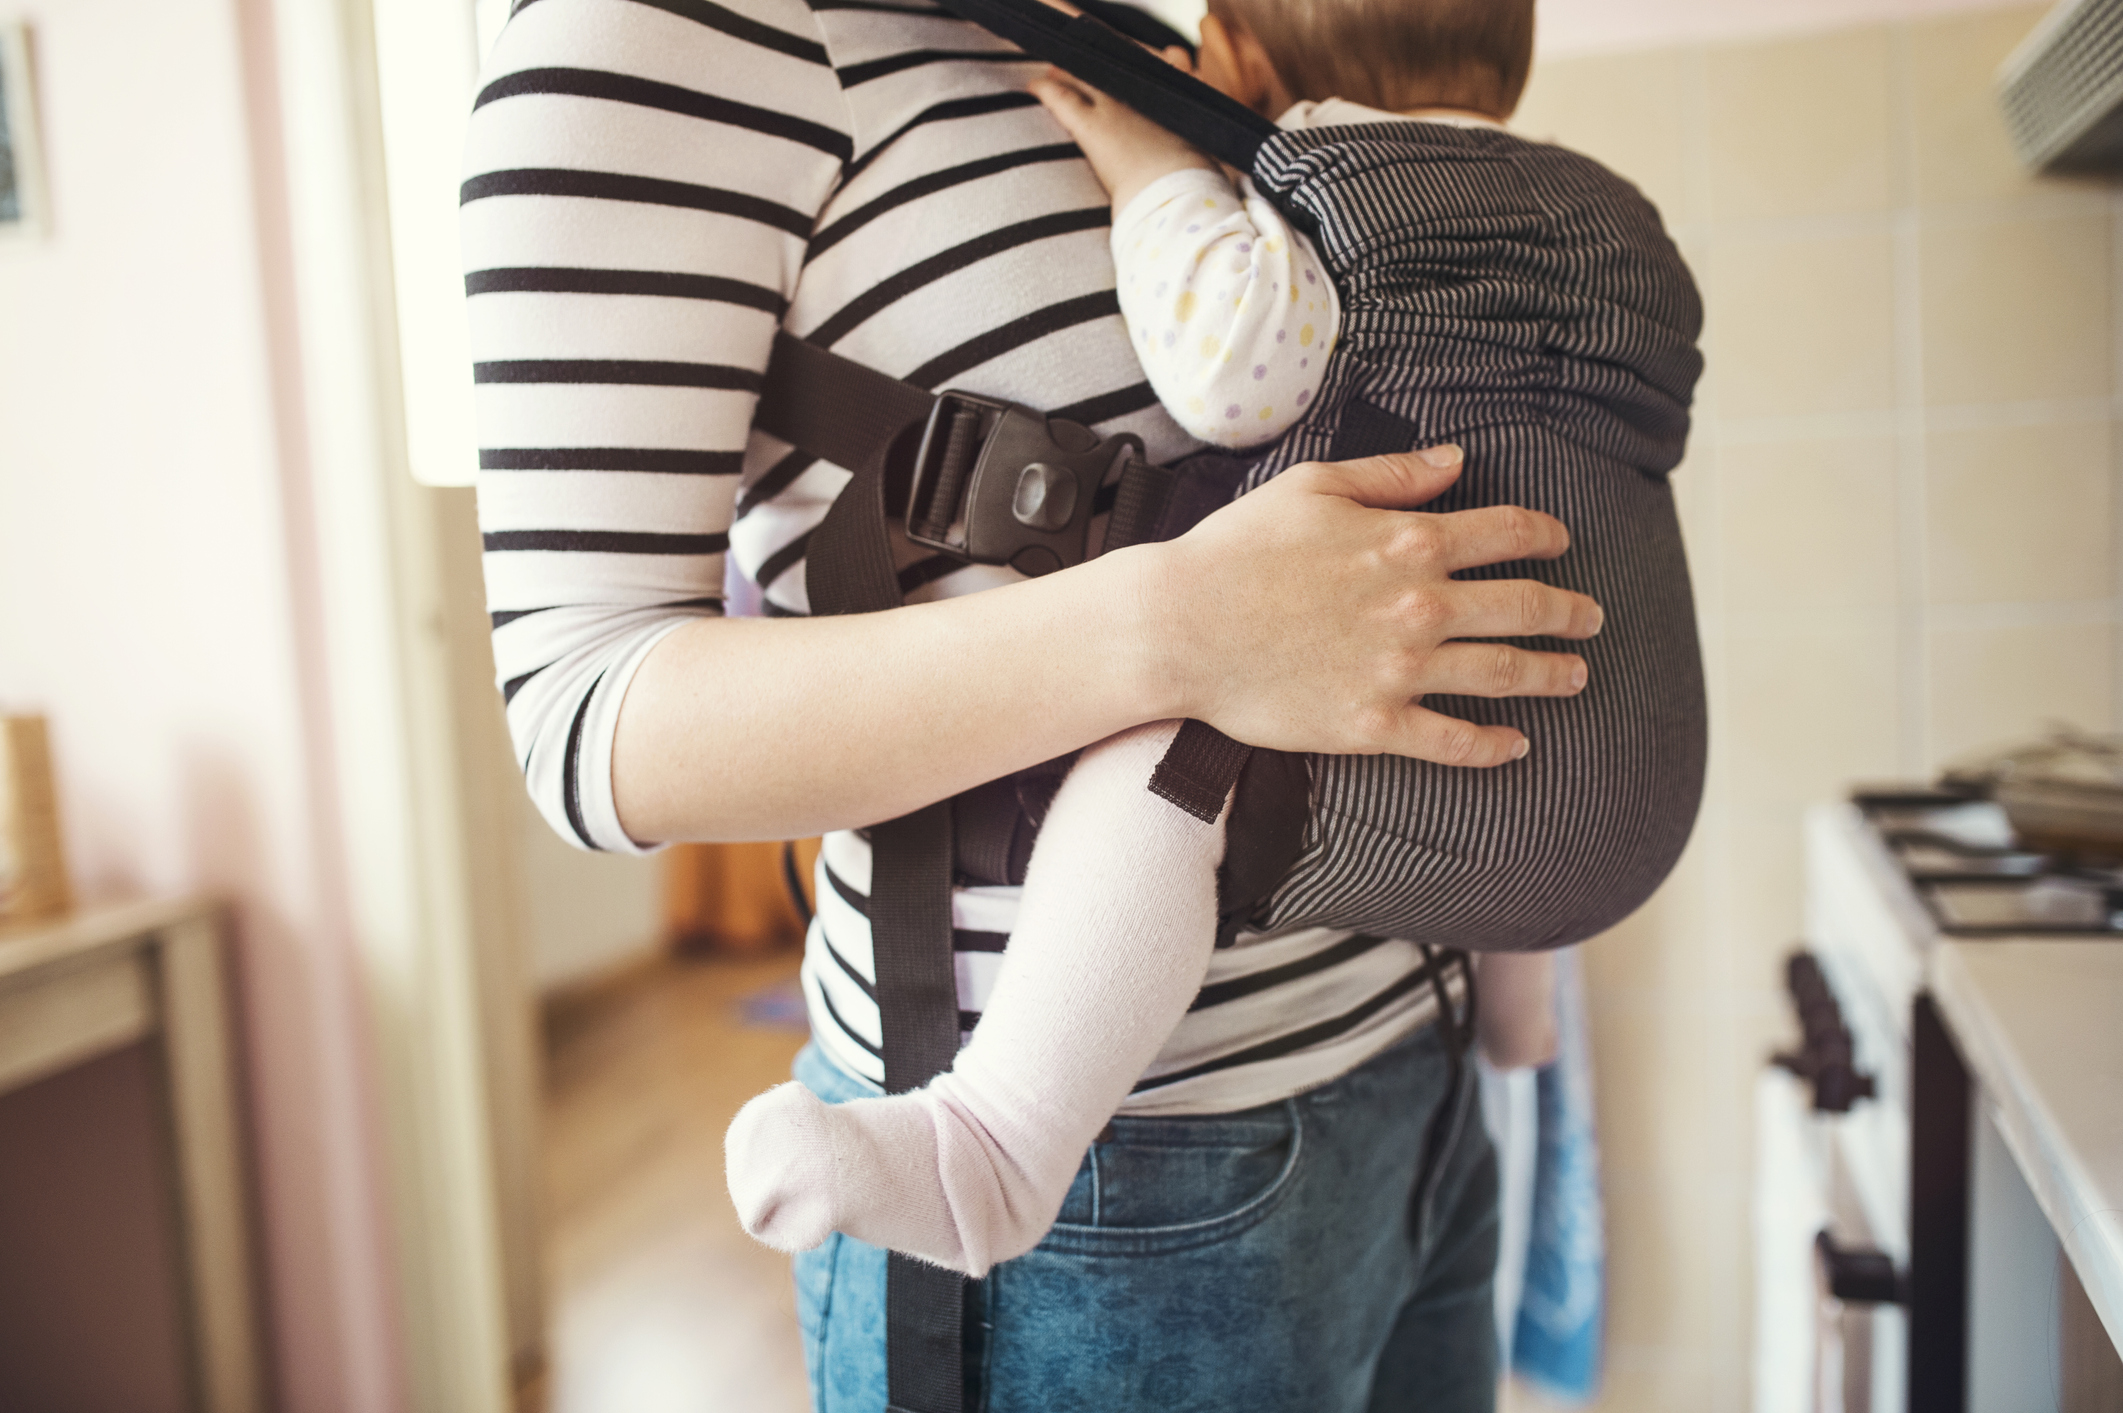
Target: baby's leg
{"type": "Point", "coordinates": [1113, 936]}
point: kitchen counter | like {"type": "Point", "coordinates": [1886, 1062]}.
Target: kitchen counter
{"type": "Point", "coordinates": [2039, 1023]}
{"type": "Point", "coordinates": [1985, 1157]}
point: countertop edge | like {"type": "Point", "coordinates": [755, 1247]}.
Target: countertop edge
{"type": "Point", "coordinates": [2090, 1231]}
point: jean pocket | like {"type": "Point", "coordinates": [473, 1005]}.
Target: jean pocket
{"type": "Point", "coordinates": [1163, 1185]}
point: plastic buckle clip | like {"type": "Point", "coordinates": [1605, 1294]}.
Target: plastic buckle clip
{"type": "Point", "coordinates": [996, 483]}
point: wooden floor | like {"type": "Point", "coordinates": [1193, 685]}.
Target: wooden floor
{"type": "Point", "coordinates": [659, 1301]}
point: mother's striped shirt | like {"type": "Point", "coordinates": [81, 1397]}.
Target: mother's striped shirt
{"type": "Point", "coordinates": [652, 187]}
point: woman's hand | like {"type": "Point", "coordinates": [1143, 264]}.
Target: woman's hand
{"type": "Point", "coordinates": [1315, 613]}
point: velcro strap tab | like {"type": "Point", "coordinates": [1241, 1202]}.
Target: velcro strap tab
{"type": "Point", "coordinates": [1199, 769]}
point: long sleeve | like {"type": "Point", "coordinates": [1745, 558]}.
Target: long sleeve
{"type": "Point", "coordinates": [640, 184]}
{"type": "Point", "coordinates": [1230, 309]}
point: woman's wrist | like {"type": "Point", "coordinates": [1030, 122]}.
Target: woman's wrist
{"type": "Point", "coordinates": [1145, 654]}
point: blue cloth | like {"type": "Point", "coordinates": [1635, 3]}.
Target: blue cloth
{"type": "Point", "coordinates": [1557, 1342]}
{"type": "Point", "coordinates": [1277, 1260]}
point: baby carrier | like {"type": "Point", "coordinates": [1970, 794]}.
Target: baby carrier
{"type": "Point", "coordinates": [1512, 297]}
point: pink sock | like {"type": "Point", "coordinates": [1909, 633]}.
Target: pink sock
{"type": "Point", "coordinates": [1113, 936]}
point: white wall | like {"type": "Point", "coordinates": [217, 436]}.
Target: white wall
{"type": "Point", "coordinates": [155, 604]}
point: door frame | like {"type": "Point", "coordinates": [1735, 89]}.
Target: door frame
{"type": "Point", "coordinates": [403, 743]}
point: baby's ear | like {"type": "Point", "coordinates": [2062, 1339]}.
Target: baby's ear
{"type": "Point", "coordinates": [1179, 57]}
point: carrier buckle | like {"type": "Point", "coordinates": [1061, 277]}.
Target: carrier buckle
{"type": "Point", "coordinates": [996, 483]}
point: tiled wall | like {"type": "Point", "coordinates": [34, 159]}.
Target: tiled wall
{"type": "Point", "coordinates": [1902, 501]}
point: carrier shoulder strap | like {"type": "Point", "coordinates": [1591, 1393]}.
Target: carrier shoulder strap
{"type": "Point", "coordinates": [976, 459]}
{"type": "Point", "coordinates": [1091, 50]}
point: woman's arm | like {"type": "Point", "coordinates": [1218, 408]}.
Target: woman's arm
{"type": "Point", "coordinates": [1301, 617]}
{"type": "Point", "coordinates": [641, 182]}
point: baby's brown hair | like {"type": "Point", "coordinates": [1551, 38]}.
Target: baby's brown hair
{"type": "Point", "coordinates": [1395, 54]}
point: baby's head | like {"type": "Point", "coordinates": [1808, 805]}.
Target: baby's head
{"type": "Point", "coordinates": [1399, 55]}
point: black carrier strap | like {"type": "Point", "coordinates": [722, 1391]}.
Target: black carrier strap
{"type": "Point", "coordinates": [834, 407]}
{"type": "Point", "coordinates": [1199, 769]}
{"type": "Point", "coordinates": [1447, 1122]}
{"type": "Point", "coordinates": [1093, 51]}
{"type": "Point", "coordinates": [917, 1007]}
{"type": "Point", "coordinates": [988, 482]}
{"type": "Point", "coordinates": [856, 417]}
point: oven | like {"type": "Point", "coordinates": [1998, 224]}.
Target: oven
{"type": "Point", "coordinates": [1861, 1249]}
{"type": "Point", "coordinates": [1830, 1250]}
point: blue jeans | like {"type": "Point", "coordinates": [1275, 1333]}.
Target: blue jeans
{"type": "Point", "coordinates": [1276, 1260]}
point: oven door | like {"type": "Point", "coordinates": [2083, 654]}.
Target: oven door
{"type": "Point", "coordinates": [1828, 1317]}
{"type": "Point", "coordinates": [1828, 1298]}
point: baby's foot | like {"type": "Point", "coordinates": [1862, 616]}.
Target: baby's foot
{"type": "Point", "coordinates": [800, 1169]}
{"type": "Point", "coordinates": [779, 1161]}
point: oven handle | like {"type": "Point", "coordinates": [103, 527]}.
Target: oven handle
{"type": "Point", "coordinates": [1824, 1056]}
{"type": "Point", "coordinates": [1861, 1275]}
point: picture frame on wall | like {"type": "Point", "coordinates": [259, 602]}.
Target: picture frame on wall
{"type": "Point", "coordinates": [23, 214]}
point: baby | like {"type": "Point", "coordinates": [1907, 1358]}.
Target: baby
{"type": "Point", "coordinates": [1233, 316]}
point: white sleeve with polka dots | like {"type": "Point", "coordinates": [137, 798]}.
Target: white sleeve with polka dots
{"type": "Point", "coordinates": [1231, 309]}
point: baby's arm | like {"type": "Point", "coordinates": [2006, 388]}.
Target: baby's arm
{"type": "Point", "coordinates": [1230, 310]}
{"type": "Point", "coordinates": [1231, 313]}
{"type": "Point", "coordinates": [1515, 1008]}
{"type": "Point", "coordinates": [1114, 933]}
{"type": "Point", "coordinates": [1125, 149]}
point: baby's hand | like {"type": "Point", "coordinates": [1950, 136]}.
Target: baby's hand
{"type": "Point", "coordinates": [1125, 149]}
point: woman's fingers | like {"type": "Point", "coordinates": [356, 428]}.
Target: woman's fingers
{"type": "Point", "coordinates": [1499, 670]}
{"type": "Point", "coordinates": [1397, 482]}
{"type": "Point", "coordinates": [1489, 535]}
{"type": "Point", "coordinates": [1509, 608]}
{"type": "Point", "coordinates": [1498, 534]}
{"type": "Point", "coordinates": [1447, 740]}
{"type": "Point", "coordinates": [1364, 605]}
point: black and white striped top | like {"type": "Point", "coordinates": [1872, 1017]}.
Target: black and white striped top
{"type": "Point", "coordinates": [651, 187]}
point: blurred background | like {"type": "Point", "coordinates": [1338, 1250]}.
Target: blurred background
{"type": "Point", "coordinates": [331, 1080]}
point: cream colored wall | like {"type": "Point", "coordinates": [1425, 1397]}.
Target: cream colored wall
{"type": "Point", "coordinates": [1610, 26]}
{"type": "Point", "coordinates": [1901, 499]}
{"type": "Point", "coordinates": [584, 915]}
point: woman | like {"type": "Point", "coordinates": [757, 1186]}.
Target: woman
{"type": "Point", "coordinates": [654, 186]}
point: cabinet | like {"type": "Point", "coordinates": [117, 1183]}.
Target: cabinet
{"type": "Point", "coordinates": [148, 978]}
